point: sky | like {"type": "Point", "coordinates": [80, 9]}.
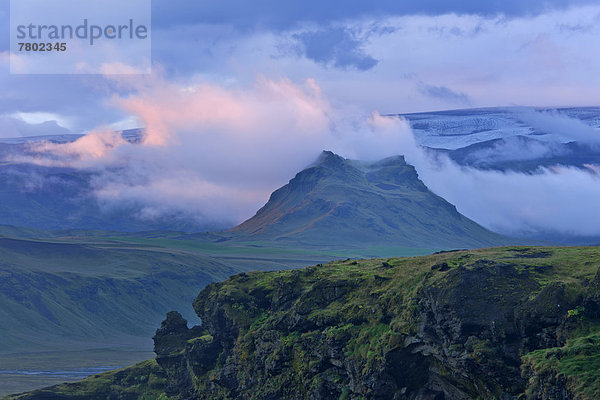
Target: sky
{"type": "Point", "coordinates": [244, 94]}
{"type": "Point", "coordinates": [385, 56]}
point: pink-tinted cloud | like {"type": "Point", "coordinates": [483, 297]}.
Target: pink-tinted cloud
{"type": "Point", "coordinates": [96, 145]}
{"type": "Point", "coordinates": [166, 109]}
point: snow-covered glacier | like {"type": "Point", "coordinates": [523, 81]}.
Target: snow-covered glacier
{"type": "Point", "coordinates": [460, 128]}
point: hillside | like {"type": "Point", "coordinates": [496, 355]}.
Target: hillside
{"type": "Point", "coordinates": [508, 323]}
{"type": "Point", "coordinates": [58, 198]}
{"type": "Point", "coordinates": [501, 154]}
{"type": "Point", "coordinates": [55, 197]}
{"type": "Point", "coordinates": [63, 295]}
{"type": "Point", "coordinates": [339, 202]}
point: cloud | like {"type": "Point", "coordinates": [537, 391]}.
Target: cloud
{"type": "Point", "coordinates": [237, 115]}
{"type": "Point", "coordinates": [279, 15]}
{"type": "Point", "coordinates": [371, 139]}
{"type": "Point", "coordinates": [443, 93]}
{"type": "Point", "coordinates": [185, 194]}
{"type": "Point", "coordinates": [528, 58]}
{"type": "Point", "coordinates": [336, 46]}
{"type": "Point", "coordinates": [515, 148]}
{"type": "Point", "coordinates": [483, 61]}
{"type": "Point", "coordinates": [557, 125]}
{"type": "Point", "coordinates": [78, 100]}
{"type": "Point", "coordinates": [560, 200]}
{"type": "Point", "coordinates": [557, 200]}
{"type": "Point", "coordinates": [81, 153]}
{"type": "Point", "coordinates": [214, 153]}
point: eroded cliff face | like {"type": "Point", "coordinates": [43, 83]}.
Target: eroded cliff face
{"type": "Point", "coordinates": [458, 325]}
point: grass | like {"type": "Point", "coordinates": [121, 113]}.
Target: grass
{"type": "Point", "coordinates": [372, 305]}
{"type": "Point", "coordinates": [578, 361]}
{"type": "Point", "coordinates": [143, 381]}
{"type": "Point", "coordinates": [10, 384]}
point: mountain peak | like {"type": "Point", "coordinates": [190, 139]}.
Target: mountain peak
{"type": "Point", "coordinates": [336, 201]}
{"type": "Point", "coordinates": [328, 157]}
{"type": "Point", "coordinates": [390, 161]}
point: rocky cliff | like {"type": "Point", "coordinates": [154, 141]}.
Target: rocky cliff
{"type": "Point", "coordinates": [502, 323]}
{"type": "Point", "coordinates": [492, 324]}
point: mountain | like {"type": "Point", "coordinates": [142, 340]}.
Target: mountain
{"type": "Point", "coordinates": [502, 323]}
{"type": "Point", "coordinates": [339, 202]}
{"type": "Point", "coordinates": [48, 197]}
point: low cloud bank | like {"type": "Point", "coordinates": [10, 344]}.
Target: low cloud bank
{"type": "Point", "coordinates": [561, 127]}
{"type": "Point", "coordinates": [559, 200]}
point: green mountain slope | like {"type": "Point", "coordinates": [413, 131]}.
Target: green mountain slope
{"type": "Point", "coordinates": [53, 198]}
{"type": "Point", "coordinates": [500, 323]}
{"type": "Point", "coordinates": [57, 295]}
{"type": "Point", "coordinates": [338, 202]}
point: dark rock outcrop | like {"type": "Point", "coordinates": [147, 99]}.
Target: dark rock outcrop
{"type": "Point", "coordinates": [356, 331]}
{"type": "Point", "coordinates": [183, 353]}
